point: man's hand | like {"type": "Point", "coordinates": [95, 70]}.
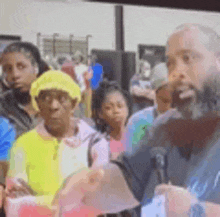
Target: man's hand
{"type": "Point", "coordinates": [147, 93]}
{"type": "Point", "coordinates": [88, 75]}
{"type": "Point", "coordinates": [178, 200]}
{"type": "Point", "coordinates": [18, 188]}
{"type": "Point", "coordinates": [75, 189]}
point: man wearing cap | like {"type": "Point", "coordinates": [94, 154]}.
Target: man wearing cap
{"type": "Point", "coordinates": [43, 157]}
{"type": "Point", "coordinates": [141, 121]}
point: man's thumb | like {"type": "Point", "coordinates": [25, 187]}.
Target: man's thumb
{"type": "Point", "coordinates": [94, 177]}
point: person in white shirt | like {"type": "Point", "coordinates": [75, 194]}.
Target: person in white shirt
{"type": "Point", "coordinates": [82, 77]}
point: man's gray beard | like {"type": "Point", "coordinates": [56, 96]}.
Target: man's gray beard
{"type": "Point", "coordinates": [23, 98]}
{"type": "Point", "coordinates": [189, 107]}
{"type": "Point", "coordinates": [206, 100]}
{"type": "Point", "coordinates": [210, 97]}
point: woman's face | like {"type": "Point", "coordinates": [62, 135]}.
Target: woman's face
{"type": "Point", "coordinates": [114, 110]}
{"type": "Point", "coordinates": [18, 71]}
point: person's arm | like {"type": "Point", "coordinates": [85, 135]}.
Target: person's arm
{"type": "Point", "coordinates": [180, 202]}
{"type": "Point", "coordinates": [104, 189]}
{"type": "Point", "coordinates": [139, 91]}
{"type": "Point", "coordinates": [113, 193]}
{"type": "Point", "coordinates": [17, 179]}
{"type": "Point", "coordinates": [100, 153]}
{"type": "Point", "coordinates": [121, 185]}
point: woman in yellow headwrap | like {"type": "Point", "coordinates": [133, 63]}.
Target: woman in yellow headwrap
{"type": "Point", "coordinates": [43, 157]}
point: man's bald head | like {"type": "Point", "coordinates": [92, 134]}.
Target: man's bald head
{"type": "Point", "coordinates": [192, 56]}
{"type": "Point", "coordinates": [208, 37]}
{"type": "Point", "coordinates": [192, 51]}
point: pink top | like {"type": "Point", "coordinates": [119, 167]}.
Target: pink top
{"type": "Point", "coordinates": [116, 147]}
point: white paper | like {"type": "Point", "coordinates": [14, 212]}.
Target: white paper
{"type": "Point", "coordinates": [155, 209]}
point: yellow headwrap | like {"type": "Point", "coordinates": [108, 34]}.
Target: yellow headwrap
{"type": "Point", "coordinates": [54, 80]}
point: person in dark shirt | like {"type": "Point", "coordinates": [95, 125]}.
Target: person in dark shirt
{"type": "Point", "coordinates": [21, 65]}
{"type": "Point", "coordinates": [188, 134]}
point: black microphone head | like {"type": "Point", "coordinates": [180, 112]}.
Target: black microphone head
{"type": "Point", "coordinates": [158, 156]}
{"type": "Point", "coordinates": [158, 150]}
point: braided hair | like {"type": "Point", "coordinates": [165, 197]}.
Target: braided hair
{"type": "Point", "coordinates": [31, 52]}
{"type": "Point", "coordinates": [100, 94]}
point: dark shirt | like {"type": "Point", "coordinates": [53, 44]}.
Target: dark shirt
{"type": "Point", "coordinates": [137, 166]}
{"type": "Point", "coordinates": [10, 109]}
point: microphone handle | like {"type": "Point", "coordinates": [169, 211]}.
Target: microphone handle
{"type": "Point", "coordinates": [161, 176]}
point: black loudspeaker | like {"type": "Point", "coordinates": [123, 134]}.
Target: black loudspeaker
{"type": "Point", "coordinates": [128, 68]}
{"type": "Point", "coordinates": [111, 62]}
{"type": "Point", "coordinates": [117, 65]}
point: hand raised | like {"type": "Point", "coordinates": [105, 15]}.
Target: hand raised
{"type": "Point", "coordinates": [74, 189]}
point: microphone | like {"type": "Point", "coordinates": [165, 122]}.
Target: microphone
{"type": "Point", "coordinates": [159, 162]}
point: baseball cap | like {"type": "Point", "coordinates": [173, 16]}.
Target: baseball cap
{"type": "Point", "coordinates": [159, 76]}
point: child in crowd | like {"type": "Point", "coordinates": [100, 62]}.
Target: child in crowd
{"type": "Point", "coordinates": [112, 107]}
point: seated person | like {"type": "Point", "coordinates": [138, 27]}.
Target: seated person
{"type": "Point", "coordinates": [43, 157]}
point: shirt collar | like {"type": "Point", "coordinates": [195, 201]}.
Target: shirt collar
{"type": "Point", "coordinates": [41, 130]}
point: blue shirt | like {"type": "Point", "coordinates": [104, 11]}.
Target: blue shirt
{"type": "Point", "coordinates": [97, 76]}
{"type": "Point", "coordinates": [7, 137]}
{"type": "Point", "coordinates": [138, 125]}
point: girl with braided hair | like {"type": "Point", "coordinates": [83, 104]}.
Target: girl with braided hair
{"type": "Point", "coordinates": [112, 107]}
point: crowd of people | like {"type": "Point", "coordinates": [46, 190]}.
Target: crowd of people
{"type": "Point", "coordinates": [72, 145]}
